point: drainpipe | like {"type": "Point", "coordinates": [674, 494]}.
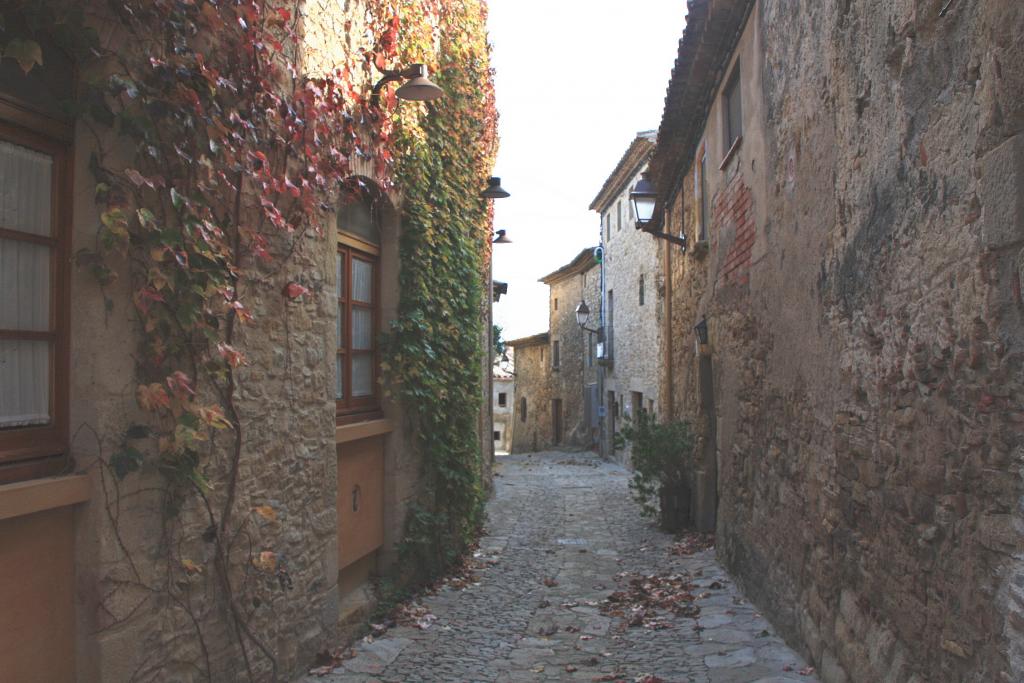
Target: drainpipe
{"type": "Point", "coordinates": [666, 334]}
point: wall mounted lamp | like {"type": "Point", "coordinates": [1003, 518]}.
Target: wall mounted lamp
{"type": "Point", "coordinates": [505, 364]}
{"type": "Point", "coordinates": [644, 198]}
{"type": "Point", "coordinates": [583, 316]}
{"type": "Point", "coordinates": [500, 238]}
{"type": "Point", "coordinates": [494, 190]}
{"type": "Point", "coordinates": [701, 329]}
{"type": "Point", "coordinates": [417, 87]}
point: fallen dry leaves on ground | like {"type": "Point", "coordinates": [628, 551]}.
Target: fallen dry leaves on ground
{"type": "Point", "coordinates": [329, 660]}
{"type": "Point", "coordinates": [692, 542]}
{"type": "Point", "coordinates": [645, 594]}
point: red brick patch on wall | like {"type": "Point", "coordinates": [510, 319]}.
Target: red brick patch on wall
{"type": "Point", "coordinates": [733, 214]}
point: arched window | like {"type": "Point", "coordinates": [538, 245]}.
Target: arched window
{"type": "Point", "coordinates": [357, 273]}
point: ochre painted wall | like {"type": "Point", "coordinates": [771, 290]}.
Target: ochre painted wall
{"type": "Point", "coordinates": [37, 614]}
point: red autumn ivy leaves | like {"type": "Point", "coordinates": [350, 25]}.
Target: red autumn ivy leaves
{"type": "Point", "coordinates": [237, 152]}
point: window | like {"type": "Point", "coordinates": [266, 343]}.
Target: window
{"type": "Point", "coordinates": [555, 357]}
{"type": "Point", "coordinates": [522, 409]}
{"type": "Point", "coordinates": [497, 436]}
{"type": "Point", "coordinates": [607, 226]}
{"type": "Point", "coordinates": [618, 215]}
{"type": "Point", "coordinates": [702, 194]}
{"type": "Point", "coordinates": [34, 205]}
{"type": "Point", "coordinates": [358, 292]}
{"type": "Point", "coordinates": [733, 111]}
{"type": "Point", "coordinates": [502, 399]}
{"type": "Point", "coordinates": [556, 303]}
{"type": "Point", "coordinates": [641, 290]}
{"type": "Point", "coordinates": [610, 333]}
{"type": "Point", "coordinates": [637, 401]}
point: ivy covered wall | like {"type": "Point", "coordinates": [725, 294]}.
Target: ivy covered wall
{"type": "Point", "coordinates": [210, 142]}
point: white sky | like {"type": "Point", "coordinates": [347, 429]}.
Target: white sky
{"type": "Point", "coordinates": [575, 80]}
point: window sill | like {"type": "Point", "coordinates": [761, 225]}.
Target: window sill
{"type": "Point", "coordinates": [731, 153]}
{"type": "Point", "coordinates": [28, 497]}
{"type": "Point", "coordinates": [362, 430]}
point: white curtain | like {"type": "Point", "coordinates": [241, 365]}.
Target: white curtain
{"type": "Point", "coordinates": [25, 191]}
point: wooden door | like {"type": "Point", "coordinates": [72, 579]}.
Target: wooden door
{"type": "Point", "coordinates": [556, 420]}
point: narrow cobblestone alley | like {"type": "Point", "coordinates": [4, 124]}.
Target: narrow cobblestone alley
{"type": "Point", "coordinates": [561, 528]}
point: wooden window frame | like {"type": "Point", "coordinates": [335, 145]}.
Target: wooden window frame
{"type": "Point", "coordinates": [704, 202]}
{"type": "Point", "coordinates": [349, 409]}
{"type": "Point", "coordinates": [39, 451]}
{"type": "Point", "coordinates": [732, 94]}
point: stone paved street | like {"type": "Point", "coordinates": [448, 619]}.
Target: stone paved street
{"type": "Point", "coordinates": [561, 528]}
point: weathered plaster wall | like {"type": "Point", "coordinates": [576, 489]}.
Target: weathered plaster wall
{"type": "Point", "coordinates": [867, 344]}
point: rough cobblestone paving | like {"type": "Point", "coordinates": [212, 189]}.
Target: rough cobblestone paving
{"type": "Point", "coordinates": [561, 527]}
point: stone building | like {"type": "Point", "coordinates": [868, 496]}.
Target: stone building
{"type": "Point", "coordinates": [329, 467]}
{"type": "Point", "coordinates": [503, 401]}
{"type": "Point", "coordinates": [556, 387]}
{"type": "Point", "coordinates": [849, 178]}
{"type": "Point", "coordinates": [531, 428]}
{"type": "Point", "coordinates": [631, 300]}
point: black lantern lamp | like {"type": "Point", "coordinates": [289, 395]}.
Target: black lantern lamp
{"type": "Point", "coordinates": [644, 197]}
{"type": "Point", "coordinates": [500, 238]}
{"type": "Point", "coordinates": [583, 316]}
{"type": "Point", "coordinates": [417, 87]}
{"type": "Point", "coordinates": [701, 329]}
{"type": "Point", "coordinates": [494, 189]}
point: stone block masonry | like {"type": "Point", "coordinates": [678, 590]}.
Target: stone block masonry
{"type": "Point", "coordinates": [862, 289]}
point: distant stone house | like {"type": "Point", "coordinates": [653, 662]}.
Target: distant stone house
{"type": "Point", "coordinates": [631, 300]}
{"type": "Point", "coordinates": [848, 177]}
{"type": "Point", "coordinates": [531, 428]}
{"type": "Point", "coordinates": [329, 466]}
{"type": "Point", "coordinates": [503, 402]}
{"type": "Point", "coordinates": [557, 399]}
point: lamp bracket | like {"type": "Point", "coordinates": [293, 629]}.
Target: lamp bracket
{"type": "Point", "coordinates": [392, 75]}
{"type": "Point", "coordinates": [668, 237]}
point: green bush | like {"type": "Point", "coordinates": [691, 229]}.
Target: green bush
{"type": "Point", "coordinates": [661, 455]}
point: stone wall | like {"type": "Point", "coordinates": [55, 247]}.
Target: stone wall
{"type": "Point", "coordinates": [125, 631]}
{"type": "Point", "coordinates": [629, 256]}
{"type": "Point", "coordinates": [531, 429]}
{"type": "Point", "coordinates": [569, 380]}
{"type": "Point", "coordinates": [503, 414]}
{"type": "Point", "coordinates": [866, 340]}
